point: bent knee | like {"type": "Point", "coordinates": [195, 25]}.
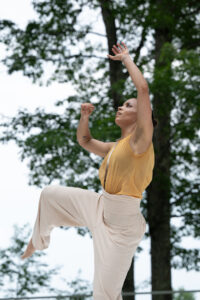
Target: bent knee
{"type": "Point", "coordinates": [49, 191]}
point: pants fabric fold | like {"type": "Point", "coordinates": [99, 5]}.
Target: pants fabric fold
{"type": "Point", "coordinates": [116, 224]}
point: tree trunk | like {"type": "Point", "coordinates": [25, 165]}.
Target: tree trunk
{"type": "Point", "coordinates": [116, 74]}
{"type": "Point", "coordinates": [129, 283]}
{"type": "Point", "coordinates": [115, 67]}
{"type": "Point", "coordinates": [158, 192]}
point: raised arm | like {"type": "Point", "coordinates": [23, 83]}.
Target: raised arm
{"type": "Point", "coordinates": [144, 111]}
{"type": "Point", "coordinates": [84, 137]}
{"type": "Point", "coordinates": [122, 53]}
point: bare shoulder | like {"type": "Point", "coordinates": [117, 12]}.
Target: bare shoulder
{"type": "Point", "coordinates": [97, 147]}
{"type": "Point", "coordinates": [141, 140]}
{"type": "Point", "coordinates": [109, 145]}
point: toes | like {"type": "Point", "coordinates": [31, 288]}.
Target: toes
{"type": "Point", "coordinates": [23, 256]}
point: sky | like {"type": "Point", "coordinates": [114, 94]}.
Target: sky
{"type": "Point", "coordinates": [19, 200]}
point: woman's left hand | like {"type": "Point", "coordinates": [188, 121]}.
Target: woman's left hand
{"type": "Point", "coordinates": [120, 52]}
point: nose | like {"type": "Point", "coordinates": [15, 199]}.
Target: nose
{"type": "Point", "coordinates": [119, 108]}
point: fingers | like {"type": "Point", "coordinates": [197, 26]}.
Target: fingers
{"type": "Point", "coordinates": [87, 104]}
{"type": "Point", "coordinates": [124, 45]}
{"type": "Point", "coordinates": [119, 49]}
{"type": "Point", "coordinates": [115, 50]}
{"type": "Point", "coordinates": [111, 57]}
{"type": "Point", "coordinates": [87, 108]}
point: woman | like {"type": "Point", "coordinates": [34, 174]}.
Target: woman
{"type": "Point", "coordinates": [114, 216]}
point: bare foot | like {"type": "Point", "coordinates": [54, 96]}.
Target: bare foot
{"type": "Point", "coordinates": [29, 250]}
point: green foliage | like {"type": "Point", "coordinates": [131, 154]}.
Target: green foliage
{"type": "Point", "coordinates": [22, 278]}
{"type": "Point", "coordinates": [183, 296]}
{"type": "Point", "coordinates": [78, 287]}
{"type": "Point", "coordinates": [61, 40]}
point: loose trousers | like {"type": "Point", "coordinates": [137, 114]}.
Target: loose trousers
{"type": "Point", "coordinates": [116, 224]}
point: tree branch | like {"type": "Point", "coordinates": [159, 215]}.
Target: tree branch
{"type": "Point", "coordinates": [100, 34]}
{"type": "Point", "coordinates": [67, 57]}
{"type": "Point", "coordinates": [185, 215]}
{"type": "Point", "coordinates": [86, 56]}
{"type": "Point", "coordinates": [141, 44]}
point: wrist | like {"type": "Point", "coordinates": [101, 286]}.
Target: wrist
{"type": "Point", "coordinates": [126, 57]}
{"type": "Point", "coordinates": [84, 118]}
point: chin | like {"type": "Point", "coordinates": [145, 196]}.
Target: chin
{"type": "Point", "coordinates": [117, 122]}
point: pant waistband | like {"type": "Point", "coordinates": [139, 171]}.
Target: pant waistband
{"type": "Point", "coordinates": [120, 209]}
{"type": "Point", "coordinates": [118, 195]}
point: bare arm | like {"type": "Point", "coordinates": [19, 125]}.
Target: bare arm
{"type": "Point", "coordinates": [136, 75]}
{"type": "Point", "coordinates": [84, 137]}
{"type": "Point", "coordinates": [144, 111]}
{"type": "Point", "coordinates": [83, 132]}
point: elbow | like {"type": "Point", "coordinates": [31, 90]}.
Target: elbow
{"type": "Point", "coordinates": [80, 142]}
{"type": "Point", "coordinates": [83, 140]}
{"type": "Point", "coordinates": [78, 139]}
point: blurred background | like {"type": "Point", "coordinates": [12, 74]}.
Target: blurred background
{"type": "Point", "coordinates": [53, 58]}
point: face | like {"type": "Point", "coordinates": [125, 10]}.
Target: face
{"type": "Point", "coordinates": [127, 113]}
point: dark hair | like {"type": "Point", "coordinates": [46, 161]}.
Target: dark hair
{"type": "Point", "coordinates": [155, 122]}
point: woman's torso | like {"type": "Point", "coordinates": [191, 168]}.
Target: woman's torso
{"type": "Point", "coordinates": [128, 173]}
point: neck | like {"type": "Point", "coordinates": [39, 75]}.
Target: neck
{"type": "Point", "coordinates": [128, 130]}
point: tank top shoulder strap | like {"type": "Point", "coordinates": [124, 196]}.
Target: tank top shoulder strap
{"type": "Point", "coordinates": [107, 163]}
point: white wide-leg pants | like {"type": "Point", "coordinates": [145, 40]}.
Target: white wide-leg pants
{"type": "Point", "coordinates": [116, 224]}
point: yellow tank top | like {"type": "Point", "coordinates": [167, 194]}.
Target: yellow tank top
{"type": "Point", "coordinates": [128, 173]}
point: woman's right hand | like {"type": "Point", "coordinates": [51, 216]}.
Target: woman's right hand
{"type": "Point", "coordinates": [86, 109]}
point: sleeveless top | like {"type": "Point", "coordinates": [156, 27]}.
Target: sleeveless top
{"type": "Point", "coordinates": [128, 173]}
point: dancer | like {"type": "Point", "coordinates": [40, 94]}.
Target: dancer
{"type": "Point", "coordinates": [113, 216]}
